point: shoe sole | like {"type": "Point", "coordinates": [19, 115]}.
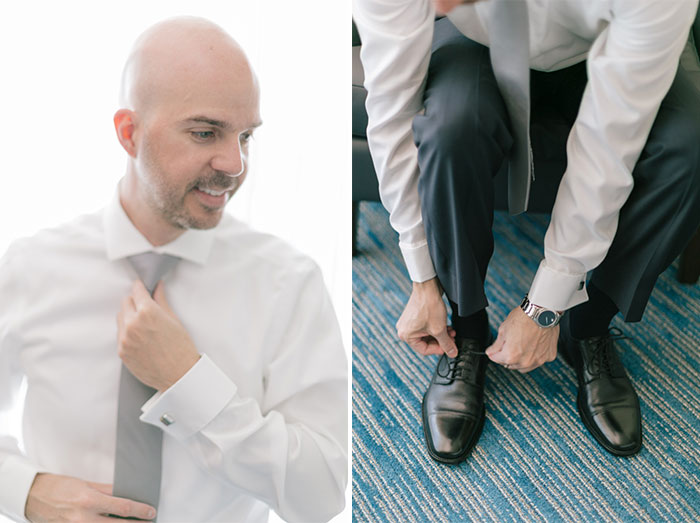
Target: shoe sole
{"type": "Point", "coordinates": [583, 414]}
{"type": "Point", "coordinates": [452, 460]}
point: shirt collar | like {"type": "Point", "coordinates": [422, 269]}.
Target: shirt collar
{"type": "Point", "coordinates": [124, 239]}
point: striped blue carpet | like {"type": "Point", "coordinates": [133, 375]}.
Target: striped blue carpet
{"type": "Point", "coordinates": [534, 462]}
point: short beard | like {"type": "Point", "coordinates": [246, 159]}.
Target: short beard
{"type": "Point", "coordinates": [167, 202]}
{"type": "Point", "coordinates": [171, 206]}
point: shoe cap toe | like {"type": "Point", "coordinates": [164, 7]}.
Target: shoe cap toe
{"type": "Point", "coordinates": [620, 427]}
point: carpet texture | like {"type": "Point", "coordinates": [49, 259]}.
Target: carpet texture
{"type": "Point", "coordinates": [534, 461]}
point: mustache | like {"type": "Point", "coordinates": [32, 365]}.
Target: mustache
{"type": "Point", "coordinates": [219, 181]}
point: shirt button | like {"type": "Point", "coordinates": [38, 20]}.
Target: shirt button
{"type": "Point", "coordinates": [167, 419]}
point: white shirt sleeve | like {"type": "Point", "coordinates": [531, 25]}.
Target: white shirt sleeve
{"type": "Point", "coordinates": [631, 66]}
{"type": "Point", "coordinates": [17, 472]}
{"type": "Point", "coordinates": [396, 40]}
{"type": "Point", "coordinates": [290, 450]}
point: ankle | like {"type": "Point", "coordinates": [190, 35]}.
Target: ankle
{"type": "Point", "coordinates": [472, 327]}
{"type": "Point", "coordinates": [593, 317]}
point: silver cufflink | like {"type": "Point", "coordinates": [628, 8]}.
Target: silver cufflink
{"type": "Point", "coordinates": [166, 419]}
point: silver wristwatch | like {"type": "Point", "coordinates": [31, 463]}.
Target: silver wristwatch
{"type": "Point", "coordinates": [544, 318]}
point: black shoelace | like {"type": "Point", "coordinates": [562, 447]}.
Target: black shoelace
{"type": "Point", "coordinates": [457, 366]}
{"type": "Point", "coordinates": [604, 359]}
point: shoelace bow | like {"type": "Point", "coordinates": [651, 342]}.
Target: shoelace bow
{"type": "Point", "coordinates": [604, 359]}
{"type": "Point", "coordinates": [457, 365]}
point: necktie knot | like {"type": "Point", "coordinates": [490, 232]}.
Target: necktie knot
{"type": "Point", "coordinates": [151, 267]}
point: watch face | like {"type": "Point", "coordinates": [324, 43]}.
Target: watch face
{"type": "Point", "coordinates": [546, 318]}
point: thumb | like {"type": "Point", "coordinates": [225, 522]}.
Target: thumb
{"type": "Point", "coordinates": [159, 297]}
{"type": "Point", "coordinates": [496, 347]}
{"type": "Point", "coordinates": [446, 343]}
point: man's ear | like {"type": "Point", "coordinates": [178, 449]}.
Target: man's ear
{"type": "Point", "coordinates": [125, 124]}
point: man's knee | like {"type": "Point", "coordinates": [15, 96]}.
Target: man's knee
{"type": "Point", "coordinates": [689, 153]}
{"type": "Point", "coordinates": [447, 129]}
{"type": "Point", "coordinates": [673, 150]}
{"type": "Point", "coordinates": [683, 152]}
{"type": "Point", "coordinates": [669, 168]}
{"type": "Point", "coordinates": [687, 144]}
{"type": "Point", "coordinates": [462, 123]}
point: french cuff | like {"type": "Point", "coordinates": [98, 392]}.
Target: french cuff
{"type": "Point", "coordinates": [16, 478]}
{"type": "Point", "coordinates": [418, 262]}
{"type": "Point", "coordinates": [556, 290]}
{"type": "Point", "coordinates": [191, 402]}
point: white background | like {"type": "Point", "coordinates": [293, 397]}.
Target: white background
{"type": "Point", "coordinates": [61, 65]}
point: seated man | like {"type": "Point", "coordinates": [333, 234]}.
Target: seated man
{"type": "Point", "coordinates": [211, 396]}
{"type": "Point", "coordinates": [442, 120]}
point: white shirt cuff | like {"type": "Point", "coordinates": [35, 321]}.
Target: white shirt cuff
{"type": "Point", "coordinates": [16, 478]}
{"type": "Point", "coordinates": [191, 402]}
{"type": "Point", "coordinates": [556, 290]}
{"type": "Point", "coordinates": [418, 262]}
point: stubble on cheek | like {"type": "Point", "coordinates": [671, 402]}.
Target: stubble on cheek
{"type": "Point", "coordinates": [178, 204]}
{"type": "Point", "coordinates": [162, 196]}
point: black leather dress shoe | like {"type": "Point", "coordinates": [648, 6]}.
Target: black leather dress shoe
{"type": "Point", "coordinates": [607, 402]}
{"type": "Point", "coordinates": [453, 405]}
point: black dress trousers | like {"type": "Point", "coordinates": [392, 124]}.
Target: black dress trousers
{"type": "Point", "coordinates": [463, 138]}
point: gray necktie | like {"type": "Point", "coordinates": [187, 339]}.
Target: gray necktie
{"type": "Point", "coordinates": [509, 44]}
{"type": "Point", "coordinates": [137, 466]}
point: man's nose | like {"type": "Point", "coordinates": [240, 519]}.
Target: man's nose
{"type": "Point", "coordinates": [230, 159]}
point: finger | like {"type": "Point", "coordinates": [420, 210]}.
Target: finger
{"type": "Point", "coordinates": [425, 345]}
{"type": "Point", "coordinates": [433, 347]}
{"type": "Point", "coordinates": [104, 488]}
{"type": "Point", "coordinates": [502, 356]}
{"type": "Point", "coordinates": [534, 363]}
{"type": "Point", "coordinates": [120, 321]}
{"type": "Point", "coordinates": [126, 312]}
{"type": "Point", "coordinates": [139, 294]}
{"type": "Point", "coordinates": [525, 370]}
{"type": "Point", "coordinates": [496, 346]}
{"type": "Point", "coordinates": [159, 297]}
{"type": "Point", "coordinates": [128, 305]}
{"type": "Point", "coordinates": [447, 344]}
{"type": "Point", "coordinates": [125, 508]}
{"type": "Point", "coordinates": [419, 346]}
{"type": "Point", "coordinates": [407, 336]}
{"type": "Point", "coordinates": [128, 309]}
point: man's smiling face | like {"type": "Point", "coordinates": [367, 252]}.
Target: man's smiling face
{"type": "Point", "coordinates": [193, 104]}
{"type": "Point", "coordinates": [194, 156]}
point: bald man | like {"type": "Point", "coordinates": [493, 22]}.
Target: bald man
{"type": "Point", "coordinates": [237, 345]}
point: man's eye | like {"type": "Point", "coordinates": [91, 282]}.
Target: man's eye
{"type": "Point", "coordinates": [203, 136]}
{"type": "Point", "coordinates": [246, 137]}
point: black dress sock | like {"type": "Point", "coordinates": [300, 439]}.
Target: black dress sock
{"type": "Point", "coordinates": [593, 317]}
{"type": "Point", "coordinates": [475, 326]}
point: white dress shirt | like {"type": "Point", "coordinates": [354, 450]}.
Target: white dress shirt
{"type": "Point", "coordinates": [632, 46]}
{"type": "Point", "coordinates": [260, 420]}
